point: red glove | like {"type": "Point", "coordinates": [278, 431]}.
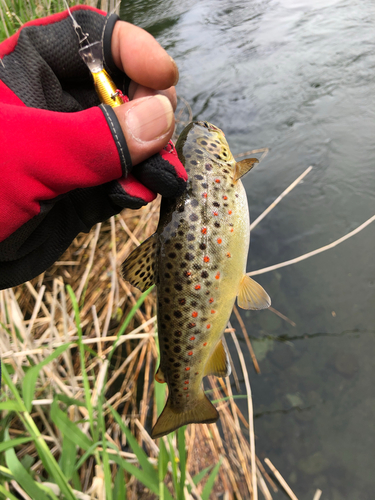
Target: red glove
{"type": "Point", "coordinates": [64, 162]}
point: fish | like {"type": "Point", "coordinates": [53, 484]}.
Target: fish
{"type": "Point", "coordinates": [197, 259]}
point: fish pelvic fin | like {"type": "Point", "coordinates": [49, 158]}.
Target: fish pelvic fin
{"type": "Point", "coordinates": [140, 268]}
{"type": "Point", "coordinates": [202, 412]}
{"type": "Point", "coordinates": [243, 167]}
{"type": "Point", "coordinates": [252, 295]}
{"type": "Point", "coordinates": [218, 364]}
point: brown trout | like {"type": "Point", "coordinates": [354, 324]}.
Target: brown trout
{"type": "Point", "coordinates": [197, 258]}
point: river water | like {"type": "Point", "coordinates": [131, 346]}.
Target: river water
{"type": "Point", "coordinates": [297, 77]}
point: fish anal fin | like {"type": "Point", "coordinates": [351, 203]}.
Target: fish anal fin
{"type": "Point", "coordinates": [201, 412]}
{"type": "Point", "coordinates": [242, 167]}
{"type": "Point", "coordinates": [159, 376]}
{"type": "Point", "coordinates": [218, 364]}
{"type": "Point", "coordinates": [252, 295]}
{"type": "Point", "coordinates": [140, 268]}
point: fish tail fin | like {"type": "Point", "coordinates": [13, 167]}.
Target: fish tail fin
{"type": "Point", "coordinates": [203, 412]}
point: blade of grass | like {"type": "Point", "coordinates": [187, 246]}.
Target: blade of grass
{"type": "Point", "coordinates": [210, 481]}
{"type": "Point", "coordinates": [44, 452]}
{"type": "Point", "coordinates": [22, 477]}
{"type": "Point", "coordinates": [139, 452]}
{"type": "Point", "coordinates": [81, 347]}
{"type": "Point", "coordinates": [119, 488]}
{"type": "Point", "coordinates": [69, 428]}
{"type": "Point", "coordinates": [128, 318]}
{"type": "Point", "coordinates": [13, 443]}
{"type": "Point", "coordinates": [182, 454]}
{"type": "Point", "coordinates": [29, 380]}
{"type": "Point", "coordinates": [7, 494]}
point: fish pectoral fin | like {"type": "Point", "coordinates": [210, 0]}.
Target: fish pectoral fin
{"type": "Point", "coordinates": [140, 267]}
{"type": "Point", "coordinates": [218, 364]}
{"type": "Point", "coordinates": [243, 167]}
{"type": "Point", "coordinates": [159, 376]}
{"type": "Point", "coordinates": [202, 412]}
{"type": "Point", "coordinates": [252, 295]}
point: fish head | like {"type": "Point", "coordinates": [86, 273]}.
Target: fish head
{"type": "Point", "coordinates": [202, 141]}
{"type": "Point", "coordinates": [207, 141]}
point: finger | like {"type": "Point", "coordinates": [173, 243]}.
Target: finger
{"type": "Point", "coordinates": [137, 91]}
{"type": "Point", "coordinates": [140, 56]}
{"type": "Point", "coordinates": [147, 124]}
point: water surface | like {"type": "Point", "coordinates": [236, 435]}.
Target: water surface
{"type": "Point", "coordinates": [297, 77]}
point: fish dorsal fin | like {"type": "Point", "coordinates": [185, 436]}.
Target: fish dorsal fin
{"type": "Point", "coordinates": [140, 268]}
{"type": "Point", "coordinates": [170, 419]}
{"type": "Point", "coordinates": [242, 167]}
{"type": "Point", "coordinates": [218, 364]}
{"type": "Point", "coordinates": [252, 295]}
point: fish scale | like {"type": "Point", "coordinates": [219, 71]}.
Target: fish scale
{"type": "Point", "coordinates": [199, 254]}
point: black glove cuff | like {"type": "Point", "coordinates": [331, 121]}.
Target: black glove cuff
{"type": "Point", "coordinates": [118, 135]}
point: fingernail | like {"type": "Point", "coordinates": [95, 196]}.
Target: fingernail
{"type": "Point", "coordinates": [150, 119]}
{"type": "Point", "coordinates": [176, 70]}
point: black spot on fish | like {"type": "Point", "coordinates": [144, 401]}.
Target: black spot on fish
{"type": "Point", "coordinates": [198, 177]}
{"type": "Point", "coordinates": [176, 375]}
{"type": "Point", "coordinates": [177, 365]}
{"type": "Point", "coordinates": [204, 185]}
{"type": "Point", "coordinates": [137, 272]}
{"type": "Point", "coordinates": [204, 143]}
{"type": "Point", "coordinates": [178, 287]}
{"type": "Point", "coordinates": [183, 264]}
{"type": "Point", "coordinates": [180, 233]}
{"type": "Point", "coordinates": [189, 256]}
{"type": "Point", "coordinates": [194, 202]}
{"type": "Point", "coordinates": [167, 275]}
{"type": "Point", "coordinates": [169, 265]}
{"type": "Point", "coordinates": [177, 314]}
{"type": "Point", "coordinates": [167, 317]}
{"type": "Point", "coordinates": [167, 289]}
{"type": "Point", "coordinates": [198, 151]}
{"type": "Point", "coordinates": [217, 156]}
{"type": "Point", "coordinates": [202, 246]}
{"type": "Point", "coordinates": [193, 217]}
{"type": "Point", "coordinates": [190, 237]}
{"type": "Point", "coordinates": [178, 246]}
{"type": "Point", "coordinates": [217, 224]}
{"type": "Point", "coordinates": [208, 166]}
{"type": "Point", "coordinates": [194, 162]}
{"type": "Point", "coordinates": [182, 302]}
{"type": "Point", "coordinates": [181, 208]}
{"type": "Point", "coordinates": [177, 349]}
{"type": "Point", "coordinates": [204, 274]}
{"type": "Point", "coordinates": [177, 333]}
{"type": "Point", "coordinates": [216, 204]}
{"type": "Point", "coordinates": [142, 274]}
{"type": "Point", "coordinates": [194, 303]}
{"type": "Point", "coordinates": [172, 255]}
{"type": "Point", "coordinates": [166, 300]}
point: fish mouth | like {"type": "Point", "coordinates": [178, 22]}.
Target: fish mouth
{"type": "Point", "coordinates": [209, 126]}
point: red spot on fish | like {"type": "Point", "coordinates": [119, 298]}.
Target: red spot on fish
{"type": "Point", "coordinates": [217, 276]}
{"type": "Point", "coordinates": [229, 212]}
{"type": "Point", "coordinates": [196, 373]}
{"type": "Point", "coordinates": [217, 180]}
{"type": "Point", "coordinates": [194, 314]}
{"type": "Point", "coordinates": [197, 287]}
{"type": "Point", "coordinates": [191, 325]}
{"type": "Point", "coordinates": [187, 395]}
{"type": "Point", "coordinates": [216, 213]}
{"type": "Point", "coordinates": [225, 197]}
{"type": "Point", "coordinates": [219, 240]}
{"type": "Point", "coordinates": [190, 353]}
{"type": "Point", "coordinates": [213, 311]}
{"type": "Point", "coordinates": [229, 255]}
{"type": "Point", "coordinates": [211, 300]}
{"type": "Point", "coordinates": [208, 327]}
{"type": "Point", "coordinates": [187, 368]}
{"type": "Point", "coordinates": [188, 273]}
{"type": "Point", "coordinates": [231, 229]}
{"type": "Point", "coordinates": [206, 259]}
{"type": "Point", "coordinates": [192, 338]}
{"type": "Point", "coordinates": [205, 344]}
{"type": "Point", "coordinates": [204, 195]}
{"type": "Point", "coordinates": [185, 388]}
{"type": "Point", "coordinates": [186, 382]}
{"type": "Point", "coordinates": [204, 230]}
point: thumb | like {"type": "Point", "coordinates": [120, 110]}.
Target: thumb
{"type": "Point", "coordinates": [147, 124]}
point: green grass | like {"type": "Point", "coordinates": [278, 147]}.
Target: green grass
{"type": "Point", "coordinates": [166, 477]}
